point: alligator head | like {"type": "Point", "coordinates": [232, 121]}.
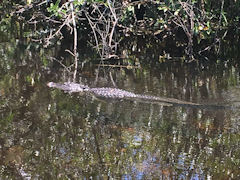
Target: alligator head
{"type": "Point", "coordinates": [69, 86]}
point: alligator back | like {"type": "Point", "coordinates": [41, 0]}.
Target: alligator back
{"type": "Point", "coordinates": [112, 93]}
{"type": "Point", "coordinates": [121, 94]}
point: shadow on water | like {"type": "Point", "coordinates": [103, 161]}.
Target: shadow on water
{"type": "Point", "coordinates": [49, 134]}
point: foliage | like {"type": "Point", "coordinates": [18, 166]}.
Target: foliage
{"type": "Point", "coordinates": [196, 28]}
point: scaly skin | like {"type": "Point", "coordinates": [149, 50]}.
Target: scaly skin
{"type": "Point", "coordinates": [123, 94]}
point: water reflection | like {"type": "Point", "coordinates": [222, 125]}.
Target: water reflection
{"type": "Point", "coordinates": [46, 133]}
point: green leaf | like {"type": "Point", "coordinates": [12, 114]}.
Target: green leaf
{"type": "Point", "coordinates": [224, 17]}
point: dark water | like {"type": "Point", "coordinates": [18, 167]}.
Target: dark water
{"type": "Point", "coordinates": [48, 134]}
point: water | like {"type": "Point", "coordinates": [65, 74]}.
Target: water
{"type": "Point", "coordinates": [49, 134]}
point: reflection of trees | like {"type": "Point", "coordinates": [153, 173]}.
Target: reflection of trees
{"type": "Point", "coordinates": [72, 138]}
{"type": "Point", "coordinates": [47, 133]}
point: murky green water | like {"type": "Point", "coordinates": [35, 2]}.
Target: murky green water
{"type": "Point", "coordinates": [49, 134]}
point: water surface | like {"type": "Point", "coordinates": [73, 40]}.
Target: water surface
{"type": "Point", "coordinates": [49, 134]}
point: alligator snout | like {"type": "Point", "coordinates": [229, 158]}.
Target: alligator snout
{"type": "Point", "coordinates": [51, 84]}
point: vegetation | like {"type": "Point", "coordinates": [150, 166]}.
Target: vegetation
{"type": "Point", "coordinates": [193, 29]}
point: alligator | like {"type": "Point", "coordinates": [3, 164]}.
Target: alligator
{"type": "Point", "coordinates": [116, 93]}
